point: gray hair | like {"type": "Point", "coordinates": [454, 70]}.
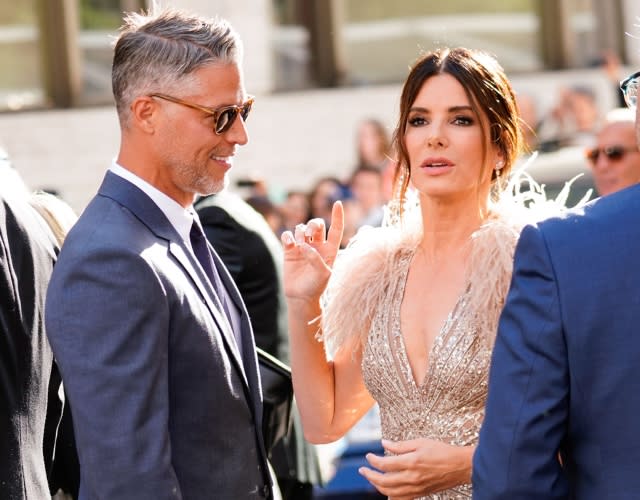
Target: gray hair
{"type": "Point", "coordinates": [157, 50]}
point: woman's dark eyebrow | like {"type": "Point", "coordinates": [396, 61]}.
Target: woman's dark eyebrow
{"type": "Point", "coordinates": [452, 109]}
{"type": "Point", "coordinates": [460, 108]}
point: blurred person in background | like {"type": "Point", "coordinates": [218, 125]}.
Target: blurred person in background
{"type": "Point", "coordinates": [372, 144]}
{"type": "Point", "coordinates": [269, 211]}
{"type": "Point", "coordinates": [562, 411]}
{"type": "Point", "coordinates": [373, 148]}
{"type": "Point", "coordinates": [615, 158]}
{"type": "Point", "coordinates": [64, 473]}
{"type": "Point", "coordinates": [295, 209]}
{"type": "Point", "coordinates": [573, 121]}
{"type": "Point", "coordinates": [253, 186]}
{"type": "Point", "coordinates": [323, 194]}
{"type": "Point", "coordinates": [366, 186]}
{"type": "Point", "coordinates": [149, 331]}
{"type": "Point", "coordinates": [353, 214]}
{"type": "Point", "coordinates": [28, 423]}
{"type": "Point", "coordinates": [528, 121]}
{"type": "Point", "coordinates": [610, 64]}
{"type": "Point", "coordinates": [409, 311]}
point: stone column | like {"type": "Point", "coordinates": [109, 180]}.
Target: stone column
{"type": "Point", "coordinates": [60, 51]}
{"type": "Point", "coordinates": [631, 20]}
{"type": "Point", "coordinates": [556, 37]}
{"type": "Point", "coordinates": [324, 20]}
{"type": "Point", "coordinates": [609, 34]}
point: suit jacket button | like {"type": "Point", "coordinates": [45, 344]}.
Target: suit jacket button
{"type": "Point", "coordinates": [266, 491]}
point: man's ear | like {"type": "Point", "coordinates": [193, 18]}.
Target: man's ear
{"type": "Point", "coordinates": [144, 113]}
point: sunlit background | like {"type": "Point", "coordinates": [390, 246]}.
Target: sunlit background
{"type": "Point", "coordinates": [58, 52]}
{"type": "Point", "coordinates": [318, 67]}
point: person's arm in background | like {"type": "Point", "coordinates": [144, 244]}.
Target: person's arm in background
{"type": "Point", "coordinates": [60, 445]}
{"type": "Point", "coordinates": [527, 405]}
{"type": "Point", "coordinates": [26, 260]}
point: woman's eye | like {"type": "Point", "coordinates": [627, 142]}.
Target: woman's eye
{"type": "Point", "coordinates": [462, 120]}
{"type": "Point", "coordinates": [416, 121]}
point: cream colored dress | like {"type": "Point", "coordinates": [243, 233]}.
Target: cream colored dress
{"type": "Point", "coordinates": [448, 405]}
{"type": "Point", "coordinates": [361, 308]}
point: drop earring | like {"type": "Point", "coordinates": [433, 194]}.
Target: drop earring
{"type": "Point", "coordinates": [498, 168]}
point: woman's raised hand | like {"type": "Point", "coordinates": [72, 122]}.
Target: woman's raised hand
{"type": "Point", "coordinates": [309, 254]}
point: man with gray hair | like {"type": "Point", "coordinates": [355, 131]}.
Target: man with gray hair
{"type": "Point", "coordinates": [152, 338]}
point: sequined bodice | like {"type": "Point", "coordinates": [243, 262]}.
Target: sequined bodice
{"type": "Point", "coordinates": [448, 405]}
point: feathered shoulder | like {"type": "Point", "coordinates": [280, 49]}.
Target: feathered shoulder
{"type": "Point", "coordinates": [368, 267]}
{"type": "Point", "coordinates": [359, 283]}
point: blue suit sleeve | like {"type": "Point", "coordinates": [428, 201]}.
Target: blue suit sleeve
{"type": "Point", "coordinates": [527, 405]}
{"type": "Point", "coordinates": [107, 320]}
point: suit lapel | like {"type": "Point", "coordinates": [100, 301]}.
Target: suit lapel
{"type": "Point", "coordinates": [176, 248]}
{"type": "Point", "coordinates": [134, 199]}
{"type": "Point", "coordinates": [248, 343]}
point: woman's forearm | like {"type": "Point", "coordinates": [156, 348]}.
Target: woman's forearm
{"type": "Point", "coordinates": [331, 395]}
{"type": "Point", "coordinates": [313, 378]}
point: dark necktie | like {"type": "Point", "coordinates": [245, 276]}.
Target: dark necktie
{"type": "Point", "coordinates": [201, 251]}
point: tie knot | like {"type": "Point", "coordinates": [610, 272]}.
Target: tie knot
{"type": "Point", "coordinates": [196, 230]}
{"type": "Point", "coordinates": [198, 243]}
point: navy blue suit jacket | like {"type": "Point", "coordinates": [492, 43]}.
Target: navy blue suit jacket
{"type": "Point", "coordinates": [163, 406]}
{"type": "Point", "coordinates": [565, 375]}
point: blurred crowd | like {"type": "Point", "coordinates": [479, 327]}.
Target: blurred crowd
{"type": "Point", "coordinates": [364, 191]}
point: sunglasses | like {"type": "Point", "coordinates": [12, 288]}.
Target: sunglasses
{"type": "Point", "coordinates": [223, 117]}
{"type": "Point", "coordinates": [613, 153]}
{"type": "Point", "coordinates": [629, 88]}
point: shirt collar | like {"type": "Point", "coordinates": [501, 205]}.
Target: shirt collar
{"type": "Point", "coordinates": [180, 218]}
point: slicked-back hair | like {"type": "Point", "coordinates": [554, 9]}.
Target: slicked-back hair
{"type": "Point", "coordinates": [157, 50]}
{"type": "Point", "coordinates": [489, 92]}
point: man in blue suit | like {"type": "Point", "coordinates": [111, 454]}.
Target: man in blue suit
{"type": "Point", "coordinates": [152, 338]}
{"type": "Point", "coordinates": [564, 390]}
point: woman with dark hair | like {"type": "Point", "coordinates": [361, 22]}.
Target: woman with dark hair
{"type": "Point", "coordinates": [408, 312]}
{"type": "Point", "coordinates": [322, 195]}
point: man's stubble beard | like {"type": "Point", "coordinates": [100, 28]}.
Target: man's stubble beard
{"type": "Point", "coordinates": [198, 181]}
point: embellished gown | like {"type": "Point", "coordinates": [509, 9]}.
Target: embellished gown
{"type": "Point", "coordinates": [448, 405]}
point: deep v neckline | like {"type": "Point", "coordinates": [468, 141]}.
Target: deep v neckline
{"type": "Point", "coordinates": [446, 325]}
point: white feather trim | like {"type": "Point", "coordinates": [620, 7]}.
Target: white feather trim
{"type": "Point", "coordinates": [364, 271]}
